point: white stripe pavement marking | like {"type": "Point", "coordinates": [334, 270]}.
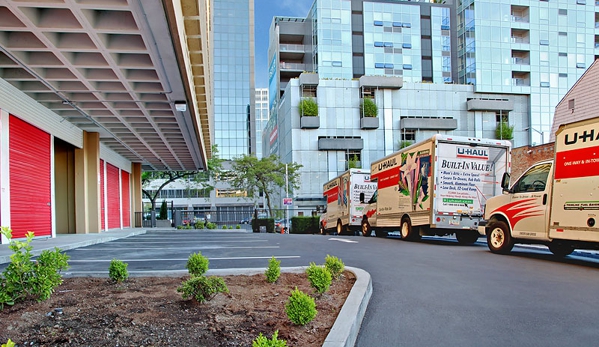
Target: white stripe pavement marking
{"type": "Point", "coordinates": [182, 259]}
{"type": "Point", "coordinates": [187, 242]}
{"type": "Point", "coordinates": [165, 248]}
{"type": "Point", "coordinates": [342, 240]}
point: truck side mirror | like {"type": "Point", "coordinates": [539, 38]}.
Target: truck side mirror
{"type": "Point", "coordinates": [505, 181]}
{"type": "Point", "coordinates": [361, 198]}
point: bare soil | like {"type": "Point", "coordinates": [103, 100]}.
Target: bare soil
{"type": "Point", "coordinates": [148, 311]}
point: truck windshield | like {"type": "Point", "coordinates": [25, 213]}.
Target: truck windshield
{"type": "Point", "coordinates": [534, 180]}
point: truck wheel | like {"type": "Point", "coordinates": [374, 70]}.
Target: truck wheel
{"type": "Point", "coordinates": [499, 239]}
{"type": "Point", "coordinates": [467, 237]}
{"type": "Point", "coordinates": [340, 228]}
{"type": "Point", "coordinates": [560, 249]}
{"type": "Point", "coordinates": [366, 229]}
{"type": "Point", "coordinates": [408, 233]}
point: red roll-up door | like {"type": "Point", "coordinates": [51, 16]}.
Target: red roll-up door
{"type": "Point", "coordinates": [30, 179]}
{"type": "Point", "coordinates": [102, 195]}
{"type": "Point", "coordinates": [113, 196]}
{"type": "Point", "coordinates": [125, 199]}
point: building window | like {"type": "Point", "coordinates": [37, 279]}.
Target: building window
{"type": "Point", "coordinates": [397, 24]}
{"type": "Point", "coordinates": [545, 84]}
{"type": "Point", "coordinates": [378, 23]}
{"type": "Point", "coordinates": [580, 65]}
{"type": "Point", "coordinates": [406, 45]}
{"type": "Point", "coordinates": [562, 11]}
{"type": "Point", "coordinates": [407, 66]}
{"type": "Point", "coordinates": [502, 116]}
{"type": "Point", "coordinates": [378, 44]}
{"type": "Point", "coordinates": [309, 91]}
{"type": "Point", "coordinates": [379, 65]}
{"type": "Point", "coordinates": [571, 104]}
{"type": "Point", "coordinates": [544, 42]}
{"type": "Point", "coordinates": [337, 63]}
{"type": "Point", "coordinates": [353, 159]}
{"type": "Point", "coordinates": [581, 2]}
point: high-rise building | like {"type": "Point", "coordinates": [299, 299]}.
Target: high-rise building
{"type": "Point", "coordinates": [261, 118]}
{"type": "Point", "coordinates": [233, 45]}
{"type": "Point", "coordinates": [454, 67]}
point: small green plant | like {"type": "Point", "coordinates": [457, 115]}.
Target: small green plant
{"type": "Point", "coordinates": [202, 288]}
{"type": "Point", "coordinates": [504, 131]}
{"type": "Point", "coordinates": [24, 277]}
{"type": "Point", "coordinates": [238, 226]}
{"type": "Point", "coordinates": [319, 277]}
{"type": "Point", "coordinates": [9, 343]}
{"type": "Point", "coordinates": [404, 143]}
{"type": "Point", "coordinates": [273, 271]}
{"type": "Point", "coordinates": [117, 271]}
{"type": "Point", "coordinates": [334, 265]}
{"type": "Point", "coordinates": [199, 224]}
{"type": "Point", "coordinates": [211, 225]}
{"type": "Point", "coordinates": [197, 264]}
{"type": "Point", "coordinates": [263, 341]}
{"type": "Point", "coordinates": [300, 308]}
{"type": "Point", "coordinates": [308, 107]}
{"type": "Point", "coordinates": [368, 108]}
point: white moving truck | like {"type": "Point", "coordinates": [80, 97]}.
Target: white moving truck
{"type": "Point", "coordinates": [346, 197]}
{"type": "Point", "coordinates": [554, 202]}
{"type": "Point", "coordinates": [436, 187]}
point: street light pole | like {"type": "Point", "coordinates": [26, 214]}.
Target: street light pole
{"type": "Point", "coordinates": [287, 196]}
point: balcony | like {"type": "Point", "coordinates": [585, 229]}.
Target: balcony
{"type": "Point", "coordinates": [521, 82]}
{"type": "Point", "coordinates": [484, 104]}
{"type": "Point", "coordinates": [520, 61]}
{"type": "Point", "coordinates": [289, 51]}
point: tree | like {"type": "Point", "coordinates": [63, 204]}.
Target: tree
{"type": "Point", "coordinates": [308, 107]}
{"type": "Point", "coordinates": [264, 175]}
{"type": "Point", "coordinates": [368, 108]}
{"type": "Point", "coordinates": [199, 177]}
{"type": "Point", "coordinates": [163, 211]}
{"type": "Point", "coordinates": [504, 131]}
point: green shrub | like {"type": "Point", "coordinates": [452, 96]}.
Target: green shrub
{"type": "Point", "coordinates": [9, 343]}
{"type": "Point", "coordinates": [304, 225]}
{"type": "Point", "coordinates": [308, 107]}
{"type": "Point", "coordinates": [24, 277]}
{"type": "Point", "coordinates": [210, 225]}
{"type": "Point", "coordinates": [368, 108]}
{"type": "Point", "coordinates": [262, 341]}
{"type": "Point", "coordinates": [202, 288]}
{"type": "Point", "coordinates": [238, 226]}
{"type": "Point", "coordinates": [319, 277]}
{"type": "Point", "coordinates": [334, 265]}
{"type": "Point", "coordinates": [163, 211]}
{"type": "Point", "coordinates": [117, 271]}
{"type": "Point", "coordinates": [273, 271]}
{"type": "Point", "coordinates": [199, 224]}
{"type": "Point", "coordinates": [300, 308]}
{"type": "Point", "coordinates": [197, 264]}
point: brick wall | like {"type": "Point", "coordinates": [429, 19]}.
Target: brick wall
{"type": "Point", "coordinates": [525, 156]}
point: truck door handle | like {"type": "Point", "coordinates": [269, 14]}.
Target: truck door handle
{"type": "Point", "coordinates": [544, 199]}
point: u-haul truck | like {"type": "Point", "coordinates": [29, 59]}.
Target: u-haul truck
{"type": "Point", "coordinates": [554, 202]}
{"type": "Point", "coordinates": [346, 197]}
{"type": "Point", "coordinates": [436, 187]}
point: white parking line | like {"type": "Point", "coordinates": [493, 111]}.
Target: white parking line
{"type": "Point", "coordinates": [178, 248]}
{"type": "Point", "coordinates": [187, 242]}
{"type": "Point", "coordinates": [181, 259]}
{"type": "Point", "coordinates": [342, 240]}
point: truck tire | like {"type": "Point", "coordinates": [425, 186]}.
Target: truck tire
{"type": "Point", "coordinates": [408, 233]}
{"type": "Point", "coordinates": [366, 229]}
{"type": "Point", "coordinates": [340, 228]}
{"type": "Point", "coordinates": [467, 237]}
{"type": "Point", "coordinates": [560, 249]}
{"type": "Point", "coordinates": [499, 239]}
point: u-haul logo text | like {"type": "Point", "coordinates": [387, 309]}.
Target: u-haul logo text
{"type": "Point", "coordinates": [585, 136]}
{"type": "Point", "coordinates": [475, 153]}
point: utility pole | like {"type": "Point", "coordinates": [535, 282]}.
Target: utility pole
{"type": "Point", "coordinates": [287, 196]}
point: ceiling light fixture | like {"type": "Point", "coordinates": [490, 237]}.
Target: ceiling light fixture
{"type": "Point", "coordinates": [181, 106]}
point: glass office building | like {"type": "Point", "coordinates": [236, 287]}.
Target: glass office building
{"type": "Point", "coordinates": [233, 47]}
{"type": "Point", "coordinates": [261, 117]}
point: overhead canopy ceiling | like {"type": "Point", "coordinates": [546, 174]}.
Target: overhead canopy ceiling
{"type": "Point", "coordinates": [118, 68]}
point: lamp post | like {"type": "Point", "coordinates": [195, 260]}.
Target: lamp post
{"type": "Point", "coordinates": [287, 196]}
{"type": "Point", "coordinates": [542, 133]}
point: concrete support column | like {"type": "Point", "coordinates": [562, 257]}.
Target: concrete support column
{"type": "Point", "coordinates": [87, 185]}
{"type": "Point", "coordinates": [136, 194]}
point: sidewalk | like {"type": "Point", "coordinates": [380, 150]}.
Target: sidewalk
{"type": "Point", "coordinates": [70, 241]}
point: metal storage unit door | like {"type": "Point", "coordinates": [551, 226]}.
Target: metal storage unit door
{"type": "Point", "coordinates": [125, 199]}
{"type": "Point", "coordinates": [114, 197]}
{"type": "Point", "coordinates": [102, 195]}
{"type": "Point", "coordinates": [30, 179]}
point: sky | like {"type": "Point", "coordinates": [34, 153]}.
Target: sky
{"type": "Point", "coordinates": [264, 11]}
